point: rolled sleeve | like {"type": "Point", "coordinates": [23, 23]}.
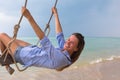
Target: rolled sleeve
{"type": "Point", "coordinates": [60, 39]}
{"type": "Point", "coordinates": [44, 41]}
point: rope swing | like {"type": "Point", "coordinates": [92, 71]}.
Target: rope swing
{"type": "Point", "coordinates": [47, 28]}
{"type": "Point", "coordinates": [47, 25]}
{"type": "Point", "coordinates": [15, 32]}
{"type": "Point", "coordinates": [7, 50]}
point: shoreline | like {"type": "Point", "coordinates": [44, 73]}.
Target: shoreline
{"type": "Point", "coordinates": [107, 70]}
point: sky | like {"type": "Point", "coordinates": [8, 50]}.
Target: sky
{"type": "Point", "coordinates": [92, 18]}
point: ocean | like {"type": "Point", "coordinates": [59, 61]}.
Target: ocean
{"type": "Point", "coordinates": [99, 57]}
{"type": "Point", "coordinates": [100, 48]}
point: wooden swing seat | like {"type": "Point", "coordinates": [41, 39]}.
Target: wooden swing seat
{"type": "Point", "coordinates": [6, 61]}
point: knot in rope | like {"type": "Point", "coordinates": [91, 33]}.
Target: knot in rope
{"type": "Point", "coordinates": [16, 28]}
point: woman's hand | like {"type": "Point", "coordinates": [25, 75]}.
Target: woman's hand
{"type": "Point", "coordinates": [54, 11]}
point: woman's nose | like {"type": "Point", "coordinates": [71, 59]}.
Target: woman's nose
{"type": "Point", "coordinates": [68, 42]}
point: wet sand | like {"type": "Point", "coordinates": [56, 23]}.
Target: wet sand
{"type": "Point", "coordinates": [107, 70]}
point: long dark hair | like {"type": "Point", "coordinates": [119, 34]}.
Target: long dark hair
{"type": "Point", "coordinates": [75, 55]}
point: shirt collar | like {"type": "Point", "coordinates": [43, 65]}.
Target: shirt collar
{"type": "Point", "coordinates": [67, 55]}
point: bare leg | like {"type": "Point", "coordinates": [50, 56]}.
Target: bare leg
{"type": "Point", "coordinates": [2, 47]}
{"type": "Point", "coordinates": [4, 40]}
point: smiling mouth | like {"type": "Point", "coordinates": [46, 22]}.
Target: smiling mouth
{"type": "Point", "coordinates": [67, 46]}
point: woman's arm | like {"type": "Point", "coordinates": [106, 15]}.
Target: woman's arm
{"type": "Point", "coordinates": [34, 25]}
{"type": "Point", "coordinates": [57, 21]}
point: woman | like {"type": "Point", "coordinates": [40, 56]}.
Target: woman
{"type": "Point", "coordinates": [47, 55]}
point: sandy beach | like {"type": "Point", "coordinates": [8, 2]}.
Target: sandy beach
{"type": "Point", "coordinates": [107, 70]}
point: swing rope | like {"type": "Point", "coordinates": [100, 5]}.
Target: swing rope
{"type": "Point", "coordinates": [47, 25]}
{"type": "Point", "coordinates": [47, 28]}
{"type": "Point", "coordinates": [16, 28]}
{"type": "Point", "coordinates": [8, 50]}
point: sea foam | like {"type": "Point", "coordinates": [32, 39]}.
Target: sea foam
{"type": "Point", "coordinates": [104, 59]}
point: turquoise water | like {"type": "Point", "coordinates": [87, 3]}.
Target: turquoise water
{"type": "Point", "coordinates": [96, 48]}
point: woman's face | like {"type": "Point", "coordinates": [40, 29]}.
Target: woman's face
{"type": "Point", "coordinates": [71, 44]}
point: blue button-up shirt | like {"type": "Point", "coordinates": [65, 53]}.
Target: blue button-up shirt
{"type": "Point", "coordinates": [47, 55]}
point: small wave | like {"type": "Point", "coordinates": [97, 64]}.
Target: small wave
{"type": "Point", "coordinates": [96, 61]}
{"type": "Point", "coordinates": [102, 59]}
